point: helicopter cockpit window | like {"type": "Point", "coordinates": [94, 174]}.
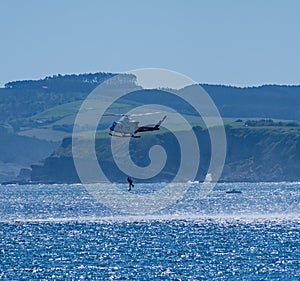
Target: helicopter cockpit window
{"type": "Point", "coordinates": [113, 126]}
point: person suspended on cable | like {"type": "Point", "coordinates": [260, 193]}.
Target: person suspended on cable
{"type": "Point", "coordinates": [130, 182]}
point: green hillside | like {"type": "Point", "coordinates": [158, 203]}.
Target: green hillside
{"type": "Point", "coordinates": [42, 112]}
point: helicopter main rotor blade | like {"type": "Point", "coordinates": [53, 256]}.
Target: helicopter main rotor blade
{"type": "Point", "coordinates": [144, 114]}
{"type": "Point", "coordinates": [115, 114]}
{"type": "Point", "coordinates": [129, 115]}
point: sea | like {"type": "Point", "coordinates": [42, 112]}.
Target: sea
{"type": "Point", "coordinates": [61, 232]}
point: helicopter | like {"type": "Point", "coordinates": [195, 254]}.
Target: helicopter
{"type": "Point", "coordinates": [127, 127]}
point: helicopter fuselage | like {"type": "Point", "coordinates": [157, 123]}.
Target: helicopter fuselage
{"type": "Point", "coordinates": [127, 127]}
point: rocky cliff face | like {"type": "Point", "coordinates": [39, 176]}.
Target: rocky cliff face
{"type": "Point", "coordinates": [18, 152]}
{"type": "Point", "coordinates": [253, 154]}
{"type": "Point", "coordinates": [262, 154]}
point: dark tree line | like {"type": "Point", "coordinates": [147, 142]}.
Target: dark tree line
{"type": "Point", "coordinates": [269, 123]}
{"type": "Point", "coordinates": [73, 82]}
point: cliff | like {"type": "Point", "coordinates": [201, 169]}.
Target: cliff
{"type": "Point", "coordinates": [253, 154]}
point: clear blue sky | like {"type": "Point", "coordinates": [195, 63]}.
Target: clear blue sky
{"type": "Point", "coordinates": [232, 42]}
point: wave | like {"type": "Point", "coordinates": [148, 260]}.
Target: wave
{"type": "Point", "coordinates": [184, 217]}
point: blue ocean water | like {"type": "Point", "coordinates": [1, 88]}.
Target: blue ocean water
{"type": "Point", "coordinates": [60, 232]}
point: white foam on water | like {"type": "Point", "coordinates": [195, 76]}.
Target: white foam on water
{"type": "Point", "coordinates": [71, 203]}
{"type": "Point", "coordinates": [188, 217]}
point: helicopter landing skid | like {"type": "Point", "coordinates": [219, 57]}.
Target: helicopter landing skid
{"type": "Point", "coordinates": [124, 136]}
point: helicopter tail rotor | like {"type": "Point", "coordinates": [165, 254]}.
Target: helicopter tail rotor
{"type": "Point", "coordinates": [160, 122]}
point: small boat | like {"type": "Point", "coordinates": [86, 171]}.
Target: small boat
{"type": "Point", "coordinates": [233, 191]}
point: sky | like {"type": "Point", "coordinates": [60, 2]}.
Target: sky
{"type": "Point", "coordinates": [232, 42]}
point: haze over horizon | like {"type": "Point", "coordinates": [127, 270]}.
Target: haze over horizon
{"type": "Point", "coordinates": [215, 42]}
